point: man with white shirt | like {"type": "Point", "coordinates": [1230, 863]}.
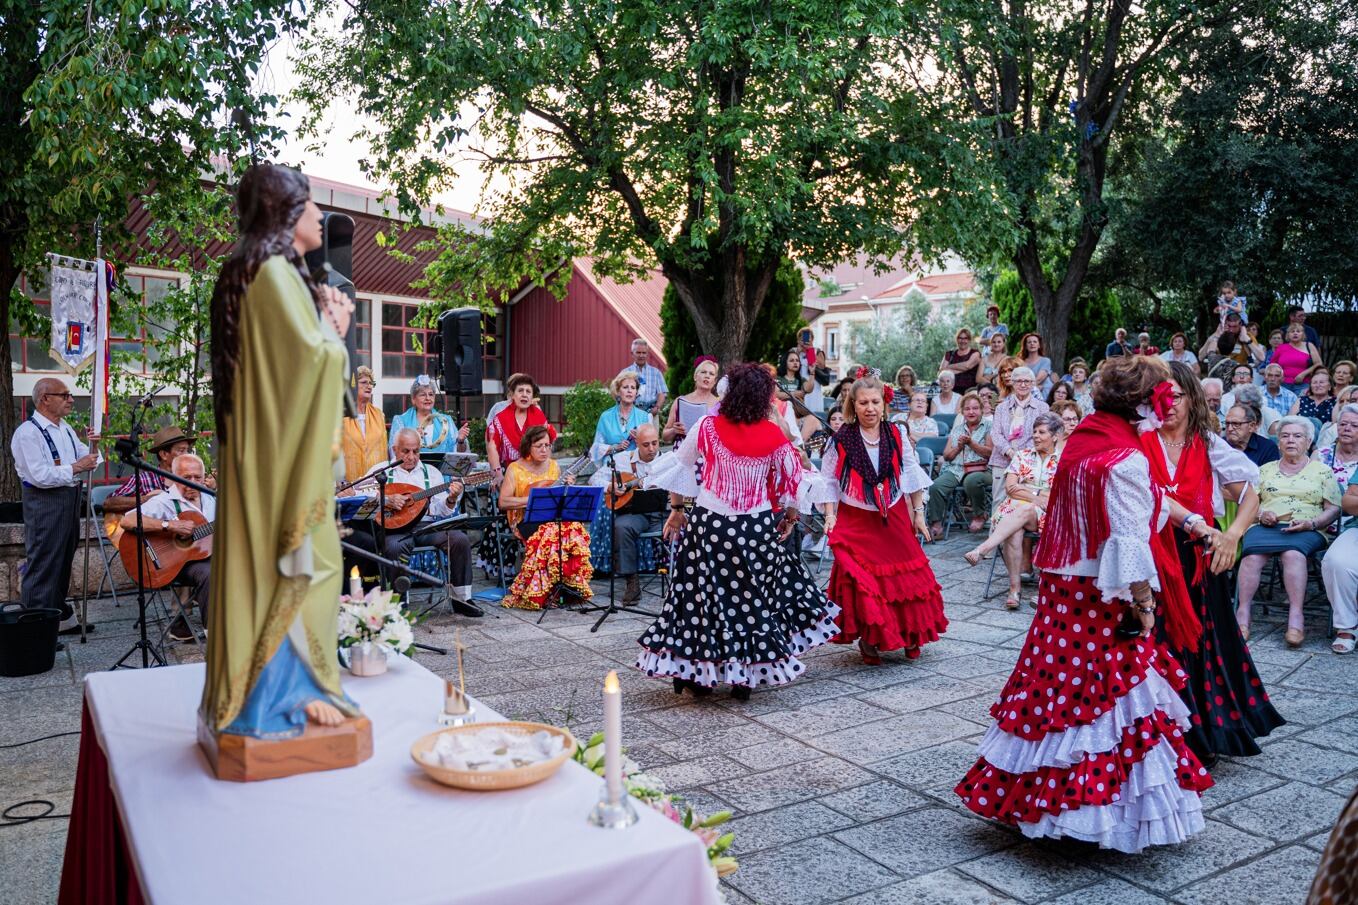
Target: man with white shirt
{"type": "Point", "coordinates": [50, 460]}
{"type": "Point", "coordinates": [164, 512]}
{"type": "Point", "coordinates": [408, 469]}
{"type": "Point", "coordinates": [629, 526]}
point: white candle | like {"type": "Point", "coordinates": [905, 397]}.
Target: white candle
{"type": "Point", "coordinates": [355, 584]}
{"type": "Point", "coordinates": [613, 737]}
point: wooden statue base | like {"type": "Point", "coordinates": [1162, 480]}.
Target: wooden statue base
{"type": "Point", "coordinates": [239, 758]}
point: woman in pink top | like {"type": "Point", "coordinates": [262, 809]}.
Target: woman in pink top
{"type": "Point", "coordinates": [1297, 357]}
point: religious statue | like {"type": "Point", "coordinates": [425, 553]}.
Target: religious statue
{"type": "Point", "coordinates": [272, 699]}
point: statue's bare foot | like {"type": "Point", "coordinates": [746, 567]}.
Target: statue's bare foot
{"type": "Point", "coordinates": [323, 714]}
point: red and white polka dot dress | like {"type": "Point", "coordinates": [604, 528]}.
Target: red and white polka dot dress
{"type": "Point", "coordinates": [1088, 740]}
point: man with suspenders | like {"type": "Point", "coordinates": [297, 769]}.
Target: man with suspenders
{"type": "Point", "coordinates": [50, 459]}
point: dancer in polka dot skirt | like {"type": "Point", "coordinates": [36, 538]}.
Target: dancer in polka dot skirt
{"type": "Point", "coordinates": [1088, 740]}
{"type": "Point", "coordinates": [741, 607]}
{"type": "Point", "coordinates": [1195, 468]}
{"type": "Point", "coordinates": [881, 578]}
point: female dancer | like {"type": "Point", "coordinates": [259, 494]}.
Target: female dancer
{"type": "Point", "coordinates": [741, 607]}
{"type": "Point", "coordinates": [1195, 468]}
{"type": "Point", "coordinates": [880, 577]}
{"type": "Point", "coordinates": [1088, 735]}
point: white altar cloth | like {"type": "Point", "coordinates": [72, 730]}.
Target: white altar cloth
{"type": "Point", "coordinates": [381, 833]}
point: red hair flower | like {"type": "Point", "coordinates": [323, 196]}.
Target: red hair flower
{"type": "Point", "coordinates": [1162, 399]}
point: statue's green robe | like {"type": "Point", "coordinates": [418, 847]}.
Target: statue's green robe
{"type": "Point", "coordinates": [276, 564]}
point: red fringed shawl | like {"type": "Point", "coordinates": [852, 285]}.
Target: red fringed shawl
{"type": "Point", "coordinates": [1191, 487]}
{"type": "Point", "coordinates": [1077, 524]}
{"type": "Point", "coordinates": [876, 487]}
{"type": "Point", "coordinates": [505, 432]}
{"type": "Point", "coordinates": [746, 465]}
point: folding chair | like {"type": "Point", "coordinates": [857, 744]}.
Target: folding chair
{"type": "Point", "coordinates": [996, 558]}
{"type": "Point", "coordinates": [107, 551]}
{"type": "Point", "coordinates": [945, 422]}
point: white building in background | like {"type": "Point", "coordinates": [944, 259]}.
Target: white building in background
{"type": "Point", "coordinates": [853, 293]}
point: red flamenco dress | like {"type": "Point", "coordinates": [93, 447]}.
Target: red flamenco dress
{"type": "Point", "coordinates": [1089, 733]}
{"type": "Point", "coordinates": [881, 578]}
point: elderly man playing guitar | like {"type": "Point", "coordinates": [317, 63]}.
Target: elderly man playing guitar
{"type": "Point", "coordinates": [184, 517]}
{"type": "Point", "coordinates": [628, 526]}
{"type": "Point", "coordinates": [408, 470]}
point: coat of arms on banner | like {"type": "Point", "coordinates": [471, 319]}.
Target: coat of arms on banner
{"type": "Point", "coordinates": [74, 312]}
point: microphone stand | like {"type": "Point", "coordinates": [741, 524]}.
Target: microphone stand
{"type": "Point", "coordinates": [127, 450]}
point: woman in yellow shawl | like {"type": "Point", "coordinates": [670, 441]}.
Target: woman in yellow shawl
{"type": "Point", "coordinates": [365, 437]}
{"type": "Point", "coordinates": [278, 379]}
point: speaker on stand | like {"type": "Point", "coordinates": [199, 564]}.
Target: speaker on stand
{"type": "Point", "coordinates": [333, 265]}
{"type": "Point", "coordinates": [457, 355]}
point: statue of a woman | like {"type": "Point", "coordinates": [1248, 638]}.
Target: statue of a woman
{"type": "Point", "coordinates": [278, 372]}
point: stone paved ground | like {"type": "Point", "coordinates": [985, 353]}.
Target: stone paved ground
{"type": "Point", "coordinates": [841, 782]}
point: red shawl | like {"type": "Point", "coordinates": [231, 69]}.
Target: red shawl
{"type": "Point", "coordinates": [507, 434]}
{"type": "Point", "coordinates": [1079, 506]}
{"type": "Point", "coordinates": [1191, 487]}
{"type": "Point", "coordinates": [747, 464]}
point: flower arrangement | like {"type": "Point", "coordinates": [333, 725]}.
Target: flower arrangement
{"type": "Point", "coordinates": [376, 619]}
{"type": "Point", "coordinates": [649, 790]}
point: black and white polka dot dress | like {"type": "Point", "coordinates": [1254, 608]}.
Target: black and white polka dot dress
{"type": "Point", "coordinates": [741, 608]}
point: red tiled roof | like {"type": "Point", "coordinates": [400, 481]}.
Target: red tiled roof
{"type": "Point", "coordinates": [936, 284]}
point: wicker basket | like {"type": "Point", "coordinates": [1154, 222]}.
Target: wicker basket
{"type": "Point", "coordinates": [494, 780]}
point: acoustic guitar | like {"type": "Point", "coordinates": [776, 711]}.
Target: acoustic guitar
{"type": "Point", "coordinates": [515, 516]}
{"type": "Point", "coordinates": [166, 553]}
{"type": "Point", "coordinates": [400, 519]}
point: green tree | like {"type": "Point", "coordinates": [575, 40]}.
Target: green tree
{"type": "Point", "coordinates": [774, 332]}
{"type": "Point", "coordinates": [1253, 177]}
{"type": "Point", "coordinates": [709, 139]}
{"type": "Point", "coordinates": [102, 99]}
{"type": "Point", "coordinates": [911, 335]}
{"type": "Point", "coordinates": [1062, 85]}
{"type": "Point", "coordinates": [1097, 315]}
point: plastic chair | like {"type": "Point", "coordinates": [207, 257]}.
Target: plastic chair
{"type": "Point", "coordinates": [107, 551]}
{"type": "Point", "coordinates": [945, 422]}
{"type": "Point", "coordinates": [930, 451]}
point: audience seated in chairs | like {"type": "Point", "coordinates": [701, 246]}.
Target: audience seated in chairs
{"type": "Point", "coordinates": [1298, 499]}
{"type": "Point", "coordinates": [161, 513]}
{"type": "Point", "coordinates": [1027, 484]}
{"type": "Point", "coordinates": [966, 461]}
{"type": "Point", "coordinates": [1242, 432]}
{"type": "Point", "coordinates": [1340, 574]}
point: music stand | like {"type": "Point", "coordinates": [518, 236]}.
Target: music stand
{"type": "Point", "coordinates": [566, 503]}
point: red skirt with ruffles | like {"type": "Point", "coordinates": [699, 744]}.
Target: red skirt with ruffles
{"type": "Point", "coordinates": [882, 581]}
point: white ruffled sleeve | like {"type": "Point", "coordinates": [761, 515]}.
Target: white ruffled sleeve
{"type": "Point", "coordinates": [1230, 465]}
{"type": "Point", "coordinates": [1126, 556]}
{"type": "Point", "coordinates": [816, 489]}
{"type": "Point", "coordinates": [913, 476]}
{"type": "Point", "coordinates": [677, 470]}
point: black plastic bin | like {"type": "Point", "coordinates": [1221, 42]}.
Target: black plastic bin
{"type": "Point", "coordinates": [28, 639]}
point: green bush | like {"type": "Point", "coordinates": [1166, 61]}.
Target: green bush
{"type": "Point", "coordinates": [583, 404]}
{"type": "Point", "coordinates": [477, 437]}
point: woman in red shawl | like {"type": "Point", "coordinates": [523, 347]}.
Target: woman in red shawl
{"type": "Point", "coordinates": [1195, 469]}
{"type": "Point", "coordinates": [880, 578]}
{"type": "Point", "coordinates": [1088, 740]}
{"type": "Point", "coordinates": [504, 431]}
{"type": "Point", "coordinates": [741, 607]}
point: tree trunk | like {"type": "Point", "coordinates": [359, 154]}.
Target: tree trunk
{"type": "Point", "coordinates": [723, 302]}
{"type": "Point", "coordinates": [9, 274]}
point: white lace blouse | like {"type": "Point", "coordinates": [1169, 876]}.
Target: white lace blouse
{"type": "Point", "coordinates": [913, 477]}
{"type": "Point", "coordinates": [1126, 556]}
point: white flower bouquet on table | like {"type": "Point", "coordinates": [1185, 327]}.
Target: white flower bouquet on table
{"type": "Point", "coordinates": [370, 626]}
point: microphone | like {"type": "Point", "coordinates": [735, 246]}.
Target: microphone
{"type": "Point", "coordinates": [149, 397]}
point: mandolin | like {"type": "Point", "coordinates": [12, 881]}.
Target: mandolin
{"type": "Point", "coordinates": [514, 516]}
{"type": "Point", "coordinates": [166, 553]}
{"type": "Point", "coordinates": [399, 519]}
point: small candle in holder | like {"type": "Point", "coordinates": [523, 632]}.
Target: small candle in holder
{"type": "Point", "coordinates": [355, 584]}
{"type": "Point", "coordinates": [613, 737]}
